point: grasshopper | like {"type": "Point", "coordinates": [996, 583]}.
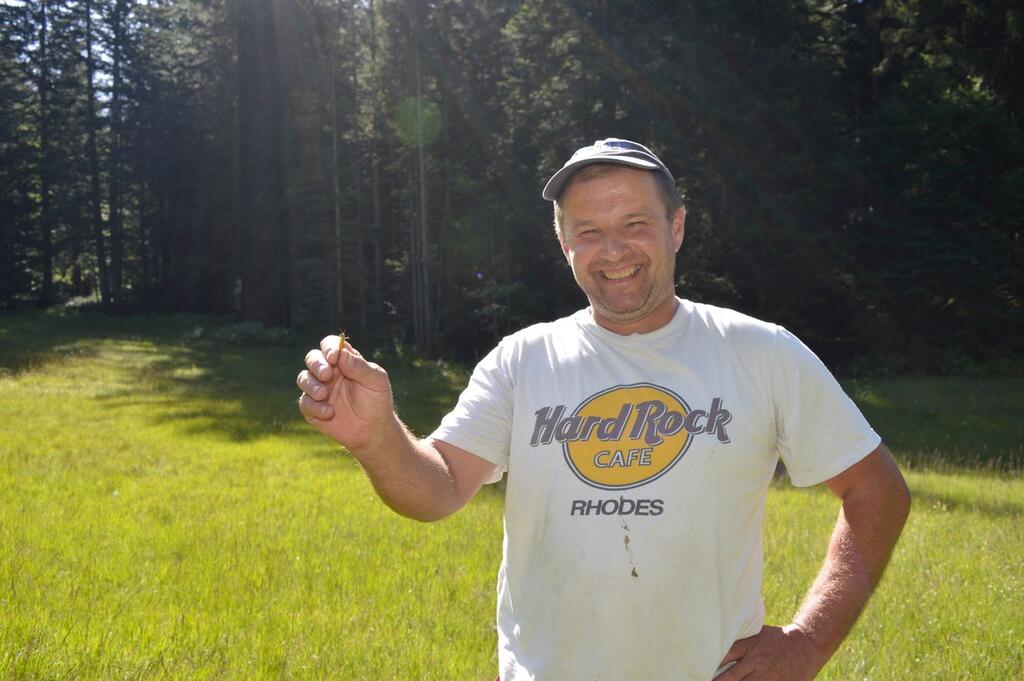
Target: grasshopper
{"type": "Point", "coordinates": [342, 342]}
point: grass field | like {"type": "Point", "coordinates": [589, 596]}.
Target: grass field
{"type": "Point", "coordinates": [165, 513]}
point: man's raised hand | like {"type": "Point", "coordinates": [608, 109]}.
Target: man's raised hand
{"type": "Point", "coordinates": [343, 396]}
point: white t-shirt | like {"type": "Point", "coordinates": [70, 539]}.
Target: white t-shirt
{"type": "Point", "coordinates": [638, 468]}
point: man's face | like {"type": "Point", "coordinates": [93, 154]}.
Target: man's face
{"type": "Point", "coordinates": [621, 247]}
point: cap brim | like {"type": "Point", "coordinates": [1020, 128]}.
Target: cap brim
{"type": "Point", "coordinates": [554, 186]}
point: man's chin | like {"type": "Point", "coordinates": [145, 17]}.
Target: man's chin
{"type": "Point", "coordinates": [627, 312]}
{"type": "Point", "coordinates": [624, 305]}
{"type": "Point", "coordinates": [622, 314]}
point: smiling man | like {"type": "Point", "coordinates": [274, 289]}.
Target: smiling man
{"type": "Point", "coordinates": [639, 437]}
{"type": "Point", "coordinates": [621, 239]}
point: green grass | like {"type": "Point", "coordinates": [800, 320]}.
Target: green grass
{"type": "Point", "coordinates": [165, 513]}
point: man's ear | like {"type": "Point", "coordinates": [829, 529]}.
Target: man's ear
{"type": "Point", "coordinates": [678, 227]}
{"type": "Point", "coordinates": [565, 246]}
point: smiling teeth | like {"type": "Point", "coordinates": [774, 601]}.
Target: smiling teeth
{"type": "Point", "coordinates": [622, 274]}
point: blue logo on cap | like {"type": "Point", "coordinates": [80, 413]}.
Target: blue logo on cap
{"type": "Point", "coordinates": [624, 144]}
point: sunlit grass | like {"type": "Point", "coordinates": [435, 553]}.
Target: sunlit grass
{"type": "Point", "coordinates": [165, 513]}
{"type": "Point", "coordinates": [950, 604]}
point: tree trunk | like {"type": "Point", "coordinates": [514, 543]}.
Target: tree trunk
{"type": "Point", "coordinates": [145, 248]}
{"type": "Point", "coordinates": [441, 274]}
{"type": "Point", "coordinates": [116, 226]}
{"type": "Point", "coordinates": [45, 217]}
{"type": "Point", "coordinates": [378, 265]}
{"type": "Point", "coordinates": [339, 289]}
{"type": "Point", "coordinates": [356, 186]}
{"type": "Point", "coordinates": [94, 163]}
{"type": "Point", "coordinates": [423, 319]}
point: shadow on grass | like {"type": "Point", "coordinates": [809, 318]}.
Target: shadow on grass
{"type": "Point", "coordinates": [949, 502]}
{"type": "Point", "coordinates": [948, 422]}
{"type": "Point", "coordinates": [241, 392]}
{"type": "Point", "coordinates": [32, 338]}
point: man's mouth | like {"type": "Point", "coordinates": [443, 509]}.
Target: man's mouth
{"type": "Point", "coordinates": [624, 273]}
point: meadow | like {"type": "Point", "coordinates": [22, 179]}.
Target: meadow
{"type": "Point", "coordinates": [166, 513]}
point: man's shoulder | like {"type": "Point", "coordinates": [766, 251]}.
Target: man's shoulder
{"type": "Point", "coordinates": [533, 339]}
{"type": "Point", "coordinates": [542, 332]}
{"type": "Point", "coordinates": [729, 324]}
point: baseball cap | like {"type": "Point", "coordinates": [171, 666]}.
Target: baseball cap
{"type": "Point", "coordinates": [611, 150]}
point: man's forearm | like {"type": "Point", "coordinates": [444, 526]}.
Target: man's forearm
{"type": "Point", "coordinates": [858, 552]}
{"type": "Point", "coordinates": [409, 475]}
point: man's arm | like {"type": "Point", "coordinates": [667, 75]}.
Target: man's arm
{"type": "Point", "coordinates": [875, 505]}
{"type": "Point", "coordinates": [421, 479]}
{"type": "Point", "coordinates": [349, 400]}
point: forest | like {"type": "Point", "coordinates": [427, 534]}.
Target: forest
{"type": "Point", "coordinates": [852, 169]}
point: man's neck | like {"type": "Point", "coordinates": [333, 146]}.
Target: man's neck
{"type": "Point", "coordinates": [654, 320]}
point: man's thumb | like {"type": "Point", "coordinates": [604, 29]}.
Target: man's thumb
{"type": "Point", "coordinates": [359, 370]}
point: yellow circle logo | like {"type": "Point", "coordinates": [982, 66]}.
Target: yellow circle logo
{"type": "Point", "coordinates": [626, 436]}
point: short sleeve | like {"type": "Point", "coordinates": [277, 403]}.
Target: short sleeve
{"type": "Point", "coordinates": [481, 422]}
{"type": "Point", "coordinates": [821, 432]}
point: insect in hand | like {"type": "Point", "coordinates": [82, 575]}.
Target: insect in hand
{"type": "Point", "coordinates": [342, 339]}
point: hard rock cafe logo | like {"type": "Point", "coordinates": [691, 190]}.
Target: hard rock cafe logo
{"type": "Point", "coordinates": [629, 435]}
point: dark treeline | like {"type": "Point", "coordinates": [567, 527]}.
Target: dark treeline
{"type": "Point", "coordinates": [852, 169]}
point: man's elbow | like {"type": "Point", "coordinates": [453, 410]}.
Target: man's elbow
{"type": "Point", "coordinates": [434, 510]}
{"type": "Point", "coordinates": [902, 501]}
{"type": "Point", "coordinates": [429, 515]}
{"type": "Point", "coordinates": [894, 487]}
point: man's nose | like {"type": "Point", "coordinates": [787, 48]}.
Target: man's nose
{"type": "Point", "coordinates": [613, 247]}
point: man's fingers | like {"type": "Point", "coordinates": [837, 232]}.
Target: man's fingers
{"type": "Point", "coordinates": [738, 649]}
{"type": "Point", "coordinates": [734, 661]}
{"type": "Point", "coordinates": [737, 672]}
{"type": "Point", "coordinates": [318, 366]}
{"type": "Point", "coordinates": [311, 386]}
{"type": "Point", "coordinates": [312, 409]}
{"type": "Point", "coordinates": [329, 348]}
